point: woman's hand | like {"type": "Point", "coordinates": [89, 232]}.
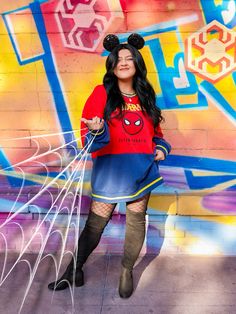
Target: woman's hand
{"type": "Point", "coordinates": [94, 124]}
{"type": "Point", "coordinates": [159, 155]}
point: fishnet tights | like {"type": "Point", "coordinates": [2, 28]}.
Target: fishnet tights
{"type": "Point", "coordinates": [139, 205]}
{"type": "Point", "coordinates": [106, 209]}
{"type": "Point", "coordinates": [102, 209]}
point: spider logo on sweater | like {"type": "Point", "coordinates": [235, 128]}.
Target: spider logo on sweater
{"type": "Point", "coordinates": [132, 123]}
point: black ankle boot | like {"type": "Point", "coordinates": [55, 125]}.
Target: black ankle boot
{"type": "Point", "coordinates": [126, 283]}
{"type": "Point", "coordinates": [67, 279]}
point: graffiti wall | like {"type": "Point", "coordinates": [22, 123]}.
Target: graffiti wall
{"type": "Point", "coordinates": [51, 58]}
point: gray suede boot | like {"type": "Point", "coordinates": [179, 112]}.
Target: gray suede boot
{"type": "Point", "coordinates": [134, 238]}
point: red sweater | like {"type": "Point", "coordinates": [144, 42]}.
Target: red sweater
{"type": "Point", "coordinates": [125, 148]}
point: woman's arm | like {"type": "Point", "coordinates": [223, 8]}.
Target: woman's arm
{"type": "Point", "coordinates": [163, 148]}
{"type": "Point", "coordinates": [94, 130]}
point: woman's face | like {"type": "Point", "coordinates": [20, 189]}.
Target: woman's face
{"type": "Point", "coordinates": [125, 68]}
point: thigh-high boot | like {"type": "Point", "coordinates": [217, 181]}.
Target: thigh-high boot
{"type": "Point", "coordinates": [88, 241]}
{"type": "Point", "coordinates": [134, 238]}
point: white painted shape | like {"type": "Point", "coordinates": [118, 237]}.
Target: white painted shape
{"type": "Point", "coordinates": [181, 81]}
{"type": "Point", "coordinates": [229, 14]}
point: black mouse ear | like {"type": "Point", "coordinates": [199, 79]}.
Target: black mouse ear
{"type": "Point", "coordinates": [110, 42]}
{"type": "Point", "coordinates": [136, 41]}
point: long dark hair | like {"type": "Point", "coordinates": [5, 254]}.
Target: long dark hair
{"type": "Point", "coordinates": [142, 87]}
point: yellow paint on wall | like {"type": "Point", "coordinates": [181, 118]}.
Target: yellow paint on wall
{"type": "Point", "coordinates": [224, 220]}
{"type": "Point", "coordinates": [166, 203]}
{"type": "Point", "coordinates": [24, 32]}
{"type": "Point", "coordinates": [196, 53]}
{"type": "Point", "coordinates": [212, 69]}
{"type": "Point", "coordinates": [226, 87]}
{"type": "Point", "coordinates": [81, 86]}
{"type": "Point", "coordinates": [10, 5]}
{"type": "Point", "coordinates": [187, 99]}
{"type": "Point", "coordinates": [151, 69]}
{"type": "Point", "coordinates": [202, 173]}
{"type": "Point", "coordinates": [14, 77]}
{"type": "Point", "coordinates": [170, 50]}
{"type": "Point", "coordinates": [218, 2]}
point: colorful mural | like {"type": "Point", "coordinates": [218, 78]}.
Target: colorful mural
{"type": "Point", "coordinates": [51, 59]}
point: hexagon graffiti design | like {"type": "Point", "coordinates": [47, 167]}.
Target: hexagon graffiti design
{"type": "Point", "coordinates": [211, 58]}
{"type": "Point", "coordinates": [83, 23]}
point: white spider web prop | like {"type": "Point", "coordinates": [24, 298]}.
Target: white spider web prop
{"type": "Point", "coordinates": [68, 183]}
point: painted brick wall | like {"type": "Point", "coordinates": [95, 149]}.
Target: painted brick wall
{"type": "Point", "coordinates": [51, 57]}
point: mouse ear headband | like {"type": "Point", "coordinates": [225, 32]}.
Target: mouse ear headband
{"type": "Point", "coordinates": [111, 41]}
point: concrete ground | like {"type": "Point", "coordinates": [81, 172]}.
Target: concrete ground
{"type": "Point", "coordinates": [163, 285]}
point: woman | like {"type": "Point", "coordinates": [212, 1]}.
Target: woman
{"type": "Point", "coordinates": [121, 126]}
